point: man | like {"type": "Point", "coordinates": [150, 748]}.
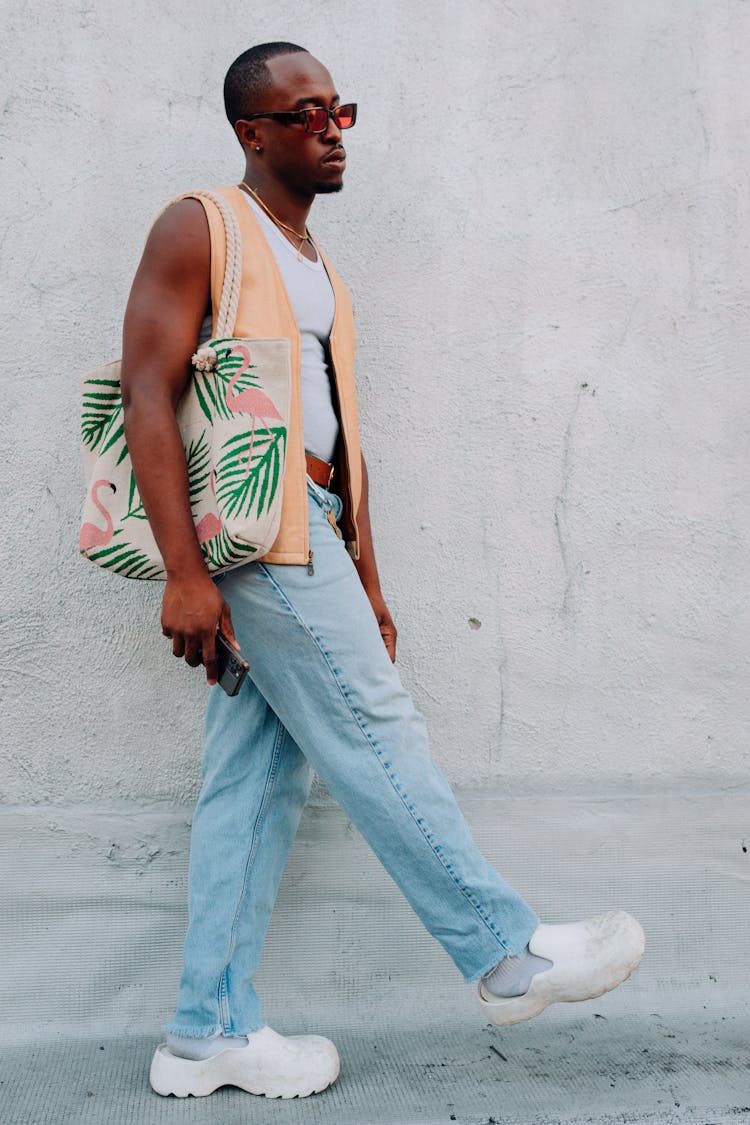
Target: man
{"type": "Point", "coordinates": [310, 618]}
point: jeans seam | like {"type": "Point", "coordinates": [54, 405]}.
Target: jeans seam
{"type": "Point", "coordinates": [426, 835]}
{"type": "Point", "coordinates": [269, 784]}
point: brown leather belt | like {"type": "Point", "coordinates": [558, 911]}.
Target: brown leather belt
{"type": "Point", "coordinates": [319, 471]}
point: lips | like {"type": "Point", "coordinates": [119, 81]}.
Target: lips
{"type": "Point", "coordinates": [335, 159]}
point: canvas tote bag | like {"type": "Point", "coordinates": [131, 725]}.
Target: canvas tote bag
{"type": "Point", "coordinates": [233, 418]}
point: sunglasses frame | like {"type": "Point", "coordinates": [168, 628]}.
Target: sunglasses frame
{"type": "Point", "coordinates": [299, 116]}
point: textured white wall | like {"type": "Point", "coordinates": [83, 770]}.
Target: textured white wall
{"type": "Point", "coordinates": [545, 228]}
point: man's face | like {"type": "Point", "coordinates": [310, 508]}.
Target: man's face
{"type": "Point", "coordinates": [307, 163]}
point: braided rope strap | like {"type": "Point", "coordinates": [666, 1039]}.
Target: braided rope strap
{"type": "Point", "coordinates": [230, 291]}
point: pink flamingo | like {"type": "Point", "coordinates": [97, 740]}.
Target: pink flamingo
{"type": "Point", "coordinates": [91, 535]}
{"type": "Point", "coordinates": [250, 401]}
{"type": "Point", "coordinates": [210, 525]}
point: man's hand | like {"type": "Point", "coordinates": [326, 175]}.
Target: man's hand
{"type": "Point", "coordinates": [388, 630]}
{"type": "Point", "coordinates": [368, 571]}
{"type": "Point", "coordinates": [192, 611]}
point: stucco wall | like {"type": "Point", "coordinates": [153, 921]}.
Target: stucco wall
{"type": "Point", "coordinates": [545, 229]}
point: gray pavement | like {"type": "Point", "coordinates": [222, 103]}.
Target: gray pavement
{"type": "Point", "coordinates": [93, 911]}
{"type": "Point", "coordinates": [568, 1066]}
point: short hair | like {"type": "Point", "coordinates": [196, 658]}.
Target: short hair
{"type": "Point", "coordinates": [248, 77]}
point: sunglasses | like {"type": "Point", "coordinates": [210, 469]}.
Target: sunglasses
{"type": "Point", "coordinates": [314, 120]}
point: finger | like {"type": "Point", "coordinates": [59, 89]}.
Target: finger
{"type": "Point", "coordinates": [208, 649]}
{"type": "Point", "coordinates": [389, 640]}
{"type": "Point", "coordinates": [178, 646]}
{"type": "Point", "coordinates": [225, 624]}
{"type": "Point", "coordinates": [192, 652]}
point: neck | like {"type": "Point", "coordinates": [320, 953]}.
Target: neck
{"type": "Point", "coordinates": [286, 204]}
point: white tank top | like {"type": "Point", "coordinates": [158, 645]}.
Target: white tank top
{"type": "Point", "coordinates": [313, 304]}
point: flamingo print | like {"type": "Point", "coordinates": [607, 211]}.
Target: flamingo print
{"type": "Point", "coordinates": [91, 535]}
{"type": "Point", "coordinates": [250, 401]}
{"type": "Point", "coordinates": [209, 526]}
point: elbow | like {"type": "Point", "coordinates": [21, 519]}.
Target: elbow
{"type": "Point", "coordinates": [143, 405]}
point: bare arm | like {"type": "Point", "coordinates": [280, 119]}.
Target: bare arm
{"type": "Point", "coordinates": [368, 571]}
{"type": "Point", "coordinates": [168, 300]}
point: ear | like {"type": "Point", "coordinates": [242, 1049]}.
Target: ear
{"type": "Point", "coordinates": [248, 134]}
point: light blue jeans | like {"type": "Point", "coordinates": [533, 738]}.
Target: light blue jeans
{"type": "Point", "coordinates": [323, 695]}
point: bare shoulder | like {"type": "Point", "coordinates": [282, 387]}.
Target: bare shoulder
{"type": "Point", "coordinates": [170, 295]}
{"type": "Point", "coordinates": [180, 239]}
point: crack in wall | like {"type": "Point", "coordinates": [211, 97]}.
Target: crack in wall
{"type": "Point", "coordinates": [572, 565]}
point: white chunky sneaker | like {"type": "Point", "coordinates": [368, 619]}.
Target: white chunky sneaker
{"type": "Point", "coordinates": [588, 959]}
{"type": "Point", "coordinates": [275, 1065]}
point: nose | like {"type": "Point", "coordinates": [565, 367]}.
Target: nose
{"type": "Point", "coordinates": [332, 133]}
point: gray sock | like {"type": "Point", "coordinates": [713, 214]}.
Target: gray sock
{"type": "Point", "coordinates": [206, 1048]}
{"type": "Point", "coordinates": [512, 976]}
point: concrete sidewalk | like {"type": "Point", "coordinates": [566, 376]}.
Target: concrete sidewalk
{"type": "Point", "coordinates": [94, 918]}
{"type": "Point", "coordinates": [569, 1067]}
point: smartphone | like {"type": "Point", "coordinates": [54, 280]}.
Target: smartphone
{"type": "Point", "coordinates": [231, 667]}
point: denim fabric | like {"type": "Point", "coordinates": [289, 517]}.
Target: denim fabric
{"type": "Point", "coordinates": [323, 695]}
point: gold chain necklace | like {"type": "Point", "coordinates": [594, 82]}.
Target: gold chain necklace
{"type": "Point", "coordinates": [303, 238]}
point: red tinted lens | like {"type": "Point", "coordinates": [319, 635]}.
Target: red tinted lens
{"type": "Point", "coordinates": [317, 120]}
{"type": "Point", "coordinates": [345, 116]}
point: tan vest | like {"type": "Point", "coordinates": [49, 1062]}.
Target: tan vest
{"type": "Point", "coordinates": [265, 312]}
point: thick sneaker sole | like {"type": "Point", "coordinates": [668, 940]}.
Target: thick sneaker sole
{"type": "Point", "coordinates": [251, 1071]}
{"type": "Point", "coordinates": [589, 959]}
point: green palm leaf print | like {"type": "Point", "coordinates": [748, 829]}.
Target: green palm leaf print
{"type": "Point", "coordinates": [126, 559]}
{"type": "Point", "coordinates": [224, 551]}
{"type": "Point", "coordinates": [212, 387]}
{"type": "Point", "coordinates": [198, 456]}
{"type": "Point", "coordinates": [135, 507]}
{"type": "Point", "coordinates": [240, 487]}
{"type": "Point", "coordinates": [102, 403]}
